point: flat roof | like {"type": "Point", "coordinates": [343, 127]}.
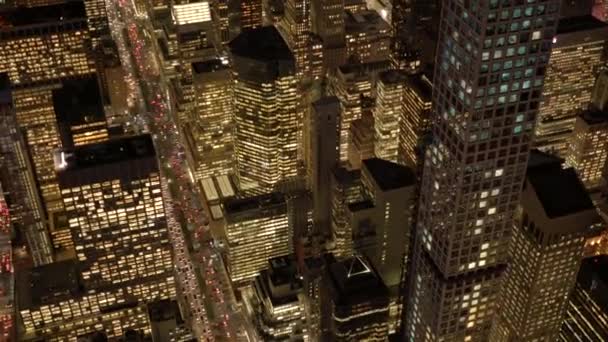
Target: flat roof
{"type": "Point", "coordinates": [389, 175]}
{"type": "Point", "coordinates": [111, 151]}
{"type": "Point", "coordinates": [48, 283]}
{"type": "Point", "coordinates": [209, 66]}
{"type": "Point", "coordinates": [262, 43]}
{"type": "Point", "coordinates": [579, 23]}
{"type": "Point", "coordinates": [78, 101]}
{"type": "Point", "coordinates": [560, 191]}
{"type": "Point", "coordinates": [422, 85]}
{"type": "Point", "coordinates": [355, 281]}
{"type": "Point", "coordinates": [363, 205]}
{"type": "Point", "coordinates": [51, 14]}
{"type": "Point", "coordinates": [257, 204]}
{"type": "Point", "coordinates": [594, 116]}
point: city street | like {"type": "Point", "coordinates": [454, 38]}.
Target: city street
{"type": "Point", "coordinates": [204, 288]}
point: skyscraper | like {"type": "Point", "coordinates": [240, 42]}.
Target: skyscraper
{"type": "Point", "coordinates": [356, 302]}
{"type": "Point", "coordinates": [367, 37]}
{"type": "Point", "coordinates": [388, 113]}
{"type": "Point", "coordinates": [327, 21]}
{"type": "Point", "coordinates": [323, 149]}
{"type": "Point", "coordinates": [116, 215]}
{"type": "Point", "coordinates": [251, 14]}
{"type": "Point", "coordinates": [46, 43]}
{"type": "Point", "coordinates": [211, 127]}
{"type": "Point", "coordinates": [579, 50]}
{"type": "Point", "coordinates": [415, 122]}
{"type": "Point", "coordinates": [257, 229]}
{"type": "Point", "coordinates": [554, 218]}
{"type": "Point", "coordinates": [487, 86]}
{"type": "Point", "coordinates": [265, 109]}
{"type": "Point", "coordinates": [587, 150]}
{"type": "Point", "coordinates": [17, 174]}
{"type": "Point", "coordinates": [587, 312]}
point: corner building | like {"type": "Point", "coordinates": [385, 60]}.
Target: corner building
{"type": "Point", "coordinates": [265, 114]}
{"type": "Point", "coordinates": [485, 98]}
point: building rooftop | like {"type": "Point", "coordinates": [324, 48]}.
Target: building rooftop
{"type": "Point", "coordinates": [594, 116]}
{"type": "Point", "coordinates": [363, 205]}
{"type": "Point", "coordinates": [559, 190]}
{"type": "Point", "coordinates": [355, 281]}
{"type": "Point", "coordinates": [369, 22]}
{"type": "Point", "coordinates": [209, 66]}
{"type": "Point", "coordinates": [48, 283]}
{"type": "Point", "coordinates": [579, 23]}
{"type": "Point", "coordinates": [263, 43]}
{"type": "Point", "coordinates": [51, 14]}
{"type": "Point", "coordinates": [78, 101]}
{"type": "Point", "coordinates": [250, 207]}
{"type": "Point", "coordinates": [345, 176]}
{"type": "Point", "coordinates": [389, 175]}
{"type": "Point", "coordinates": [110, 152]}
{"type": "Point", "coordinates": [422, 85]}
{"type": "Point", "coordinates": [393, 76]}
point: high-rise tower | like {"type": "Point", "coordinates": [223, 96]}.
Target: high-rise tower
{"type": "Point", "coordinates": [265, 107]}
{"type": "Point", "coordinates": [491, 58]}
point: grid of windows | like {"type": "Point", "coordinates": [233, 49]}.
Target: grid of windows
{"type": "Point", "coordinates": [212, 126]}
{"type": "Point", "coordinates": [492, 57]}
{"type": "Point", "coordinates": [387, 114]}
{"type": "Point", "coordinates": [588, 149]}
{"type": "Point", "coordinates": [568, 86]}
{"type": "Point", "coordinates": [266, 131]}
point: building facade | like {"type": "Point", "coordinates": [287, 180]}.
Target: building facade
{"type": "Point", "coordinates": [483, 123]}
{"type": "Point", "coordinates": [257, 229]}
{"type": "Point", "coordinates": [387, 114]}
{"type": "Point", "coordinates": [579, 50]}
{"type": "Point", "coordinates": [552, 224]}
{"type": "Point", "coordinates": [415, 123]}
{"type": "Point", "coordinates": [265, 109]}
{"type": "Point", "coordinates": [211, 129]}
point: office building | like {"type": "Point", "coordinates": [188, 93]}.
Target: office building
{"type": "Point", "coordinates": [265, 109]}
{"type": "Point", "coordinates": [327, 22]}
{"type": "Point", "coordinates": [361, 140]}
{"type": "Point", "coordinates": [295, 26]}
{"type": "Point", "coordinates": [346, 188]}
{"type": "Point", "coordinates": [368, 37]}
{"type": "Point", "coordinates": [210, 131]}
{"type": "Point", "coordinates": [588, 147]}
{"type": "Point", "coordinates": [46, 43]}
{"type": "Point", "coordinates": [37, 119]}
{"type": "Point", "coordinates": [475, 167]}
{"type": "Point", "coordinates": [352, 85]}
{"type": "Point", "coordinates": [279, 303]}
{"type": "Point", "coordinates": [251, 14]}
{"type": "Point", "coordinates": [116, 215]}
{"type": "Point", "coordinates": [579, 50]}
{"type": "Point", "coordinates": [257, 229]}
{"type": "Point", "coordinates": [551, 225]}
{"type": "Point", "coordinates": [415, 122]}
{"type": "Point", "coordinates": [587, 310]}
{"type": "Point", "coordinates": [17, 175]}
{"type": "Point", "coordinates": [382, 225]}
{"type": "Point", "coordinates": [387, 114]}
{"type": "Point", "coordinates": [356, 302]}
{"type": "Point", "coordinates": [63, 308]}
{"type": "Point", "coordinates": [323, 151]}
{"type": "Point", "coordinates": [599, 97]}
{"type": "Point", "coordinates": [79, 111]}
{"type": "Point", "coordinates": [391, 189]}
